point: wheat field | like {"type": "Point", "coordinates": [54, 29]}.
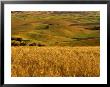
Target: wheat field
{"type": "Point", "coordinates": [31, 61]}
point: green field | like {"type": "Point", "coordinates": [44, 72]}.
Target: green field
{"type": "Point", "coordinates": [56, 28]}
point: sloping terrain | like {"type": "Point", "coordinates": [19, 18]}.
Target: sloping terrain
{"type": "Point", "coordinates": [56, 28]}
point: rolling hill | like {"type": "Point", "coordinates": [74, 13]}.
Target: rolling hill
{"type": "Point", "coordinates": [53, 28]}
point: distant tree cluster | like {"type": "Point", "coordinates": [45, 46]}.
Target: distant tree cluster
{"type": "Point", "coordinates": [21, 42]}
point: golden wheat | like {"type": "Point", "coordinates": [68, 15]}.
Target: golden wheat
{"type": "Point", "coordinates": [55, 61]}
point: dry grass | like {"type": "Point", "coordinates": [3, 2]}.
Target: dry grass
{"type": "Point", "coordinates": [55, 61]}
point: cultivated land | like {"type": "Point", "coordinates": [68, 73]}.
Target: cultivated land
{"type": "Point", "coordinates": [57, 28]}
{"type": "Point", "coordinates": [55, 61]}
{"type": "Point", "coordinates": [55, 44]}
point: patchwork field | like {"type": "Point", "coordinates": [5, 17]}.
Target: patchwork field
{"type": "Point", "coordinates": [56, 44]}
{"type": "Point", "coordinates": [56, 28]}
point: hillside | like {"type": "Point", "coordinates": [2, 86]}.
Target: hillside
{"type": "Point", "coordinates": [55, 28]}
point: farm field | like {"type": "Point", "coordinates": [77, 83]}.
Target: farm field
{"type": "Point", "coordinates": [55, 61]}
{"type": "Point", "coordinates": [56, 28]}
{"type": "Point", "coordinates": [55, 44]}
